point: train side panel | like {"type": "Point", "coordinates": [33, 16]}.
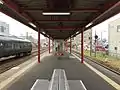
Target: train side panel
{"type": "Point", "coordinates": [8, 48]}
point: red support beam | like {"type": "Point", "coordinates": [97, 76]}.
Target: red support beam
{"type": "Point", "coordinates": [111, 9]}
{"type": "Point", "coordinates": [49, 45]}
{"type": "Point", "coordinates": [71, 10]}
{"type": "Point", "coordinates": [82, 47]}
{"type": "Point", "coordinates": [14, 7]}
{"type": "Point", "coordinates": [109, 5]}
{"type": "Point", "coordinates": [84, 10]}
{"type": "Point", "coordinates": [62, 20]}
{"type": "Point", "coordinates": [20, 11]}
{"type": "Point", "coordinates": [61, 28]}
{"type": "Point", "coordinates": [38, 45]}
{"type": "Point", "coordinates": [6, 13]}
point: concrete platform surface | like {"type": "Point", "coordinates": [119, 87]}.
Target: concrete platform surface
{"type": "Point", "coordinates": [73, 68]}
{"type": "Point", "coordinates": [40, 84]}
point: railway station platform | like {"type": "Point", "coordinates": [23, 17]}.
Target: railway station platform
{"type": "Point", "coordinates": [77, 17]}
{"type": "Point", "coordinates": [73, 68]}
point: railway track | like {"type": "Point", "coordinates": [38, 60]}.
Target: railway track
{"type": "Point", "coordinates": [118, 73]}
{"type": "Point", "coordinates": [15, 61]}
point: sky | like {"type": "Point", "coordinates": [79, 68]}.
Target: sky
{"type": "Point", "coordinates": [16, 28]}
{"type": "Point", "coordinates": [102, 28]}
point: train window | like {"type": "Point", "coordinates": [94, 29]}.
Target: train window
{"type": "Point", "coordinates": [16, 46]}
{"type": "Point", "coordinates": [9, 45]}
{"type": "Point", "coordinates": [21, 45]}
{"type": "Point", "coordinates": [25, 44]}
{"type": "Point", "coordinates": [5, 45]}
{"type": "Point", "coordinates": [12, 45]}
{"type": "Point", "coordinates": [28, 44]}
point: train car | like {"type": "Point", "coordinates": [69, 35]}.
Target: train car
{"type": "Point", "coordinates": [10, 46]}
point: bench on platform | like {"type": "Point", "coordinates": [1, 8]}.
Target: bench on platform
{"type": "Point", "coordinates": [58, 82]}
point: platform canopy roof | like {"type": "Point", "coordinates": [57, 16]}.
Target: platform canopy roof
{"type": "Point", "coordinates": [83, 14]}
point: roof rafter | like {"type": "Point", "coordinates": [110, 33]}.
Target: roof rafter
{"type": "Point", "coordinates": [71, 10]}
{"type": "Point", "coordinates": [61, 20]}
{"type": "Point", "coordinates": [61, 28]}
{"type": "Point", "coordinates": [19, 11]}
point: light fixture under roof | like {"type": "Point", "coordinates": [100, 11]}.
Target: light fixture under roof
{"type": "Point", "coordinates": [77, 32]}
{"type": "Point", "coordinates": [89, 25]}
{"type": "Point", "coordinates": [43, 32]}
{"type": "Point", "coordinates": [1, 1]}
{"type": "Point", "coordinates": [32, 24]}
{"type": "Point", "coordinates": [56, 13]}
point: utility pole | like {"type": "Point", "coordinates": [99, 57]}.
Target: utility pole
{"type": "Point", "coordinates": [26, 35]}
{"type": "Point", "coordinates": [96, 37]}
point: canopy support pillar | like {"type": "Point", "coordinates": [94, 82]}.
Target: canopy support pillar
{"type": "Point", "coordinates": [49, 45]}
{"type": "Point", "coordinates": [82, 47]}
{"type": "Point", "coordinates": [70, 44]}
{"type": "Point", "coordinates": [38, 45]}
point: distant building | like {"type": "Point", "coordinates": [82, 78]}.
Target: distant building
{"type": "Point", "coordinates": [87, 35]}
{"type": "Point", "coordinates": [4, 28]}
{"type": "Point", "coordinates": [114, 37]}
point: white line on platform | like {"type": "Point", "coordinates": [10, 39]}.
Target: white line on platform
{"type": "Point", "coordinates": [34, 84]}
{"type": "Point", "coordinates": [53, 73]}
{"type": "Point", "coordinates": [16, 75]}
{"type": "Point", "coordinates": [110, 81]}
{"type": "Point", "coordinates": [52, 80]}
{"type": "Point", "coordinates": [83, 85]}
{"type": "Point", "coordinates": [14, 68]}
{"type": "Point", "coordinates": [66, 82]}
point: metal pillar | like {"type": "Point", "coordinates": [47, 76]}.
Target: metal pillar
{"type": "Point", "coordinates": [49, 45]}
{"type": "Point", "coordinates": [82, 48]}
{"type": "Point", "coordinates": [38, 45]}
{"type": "Point", "coordinates": [66, 45]}
{"type": "Point", "coordinates": [52, 45]}
{"type": "Point", "coordinates": [70, 44]}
